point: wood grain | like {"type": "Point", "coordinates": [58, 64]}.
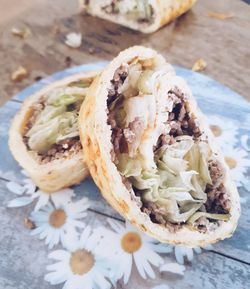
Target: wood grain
{"type": "Point", "coordinates": [223, 44]}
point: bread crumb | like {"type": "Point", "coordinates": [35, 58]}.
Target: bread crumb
{"type": "Point", "coordinates": [19, 74]}
{"type": "Point", "coordinates": [29, 224]}
{"type": "Point", "coordinates": [199, 65]}
{"type": "Point", "coordinates": [73, 40]}
{"type": "Point", "coordinates": [22, 32]}
{"type": "Point", "coordinates": [221, 16]}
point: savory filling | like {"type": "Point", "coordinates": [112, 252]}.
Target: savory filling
{"type": "Point", "coordinates": [163, 157]}
{"type": "Point", "coordinates": [51, 130]}
{"type": "Point", "coordinates": [135, 10]}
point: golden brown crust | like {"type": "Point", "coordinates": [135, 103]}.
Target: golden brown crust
{"type": "Point", "coordinates": [96, 140]}
{"type": "Point", "coordinates": [165, 11]}
{"type": "Point", "coordinates": [59, 173]}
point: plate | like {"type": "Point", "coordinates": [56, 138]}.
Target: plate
{"type": "Point", "coordinates": [24, 258]}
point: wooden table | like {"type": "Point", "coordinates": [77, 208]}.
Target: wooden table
{"type": "Point", "coordinates": [224, 45]}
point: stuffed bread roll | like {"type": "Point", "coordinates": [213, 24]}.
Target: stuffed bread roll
{"type": "Point", "coordinates": [144, 15]}
{"type": "Point", "coordinates": [44, 136]}
{"type": "Point", "coordinates": [151, 153]}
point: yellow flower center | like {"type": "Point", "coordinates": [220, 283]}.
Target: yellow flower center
{"type": "Point", "coordinates": [57, 218]}
{"type": "Point", "coordinates": [232, 163]}
{"type": "Point", "coordinates": [131, 242]}
{"type": "Point", "coordinates": [216, 130]}
{"type": "Point", "coordinates": [81, 261]}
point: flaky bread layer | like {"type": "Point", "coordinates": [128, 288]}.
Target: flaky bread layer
{"type": "Point", "coordinates": [96, 140]}
{"type": "Point", "coordinates": [165, 11]}
{"type": "Point", "coordinates": [56, 174]}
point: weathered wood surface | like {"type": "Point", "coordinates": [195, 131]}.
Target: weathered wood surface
{"type": "Point", "coordinates": [210, 270]}
{"type": "Point", "coordinates": [223, 44]}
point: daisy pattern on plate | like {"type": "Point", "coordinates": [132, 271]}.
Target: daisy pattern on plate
{"type": "Point", "coordinates": [245, 142]}
{"type": "Point", "coordinates": [29, 192]}
{"type": "Point", "coordinates": [59, 223]}
{"type": "Point", "coordinates": [163, 286]}
{"type": "Point", "coordinates": [125, 245]}
{"type": "Point", "coordinates": [171, 268]}
{"type": "Point", "coordinates": [181, 253]}
{"type": "Point", "coordinates": [238, 162]}
{"type": "Point", "coordinates": [8, 175]}
{"type": "Point", "coordinates": [25, 191]}
{"type": "Point", "coordinates": [174, 268]}
{"type": "Point", "coordinates": [224, 130]}
{"type": "Point", "coordinates": [81, 266]}
{"type": "Point", "coordinates": [58, 198]}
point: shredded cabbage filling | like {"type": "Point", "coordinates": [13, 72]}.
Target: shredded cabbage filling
{"type": "Point", "coordinates": [161, 152]}
{"type": "Point", "coordinates": [52, 128]}
{"type": "Point", "coordinates": [137, 10]}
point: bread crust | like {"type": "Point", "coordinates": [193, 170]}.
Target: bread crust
{"type": "Point", "coordinates": [165, 12]}
{"type": "Point", "coordinates": [56, 174]}
{"type": "Point", "coordinates": [96, 140]}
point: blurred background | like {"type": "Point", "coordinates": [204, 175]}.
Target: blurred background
{"type": "Point", "coordinates": [222, 43]}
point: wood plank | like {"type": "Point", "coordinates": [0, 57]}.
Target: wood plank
{"type": "Point", "coordinates": [223, 45]}
{"type": "Point", "coordinates": [27, 258]}
{"type": "Point", "coordinates": [206, 88]}
{"type": "Point", "coordinates": [95, 66]}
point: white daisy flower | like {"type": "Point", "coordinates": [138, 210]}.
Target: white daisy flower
{"type": "Point", "coordinates": [245, 142]}
{"type": "Point", "coordinates": [24, 190]}
{"type": "Point", "coordinates": [58, 198]}
{"type": "Point", "coordinates": [126, 244]}
{"type": "Point", "coordinates": [173, 268]}
{"type": "Point", "coordinates": [24, 173]}
{"type": "Point", "coordinates": [27, 192]}
{"type": "Point", "coordinates": [73, 40]}
{"type": "Point", "coordinates": [59, 223]}
{"type": "Point", "coordinates": [224, 130]}
{"type": "Point", "coordinates": [81, 267]}
{"type": "Point", "coordinates": [164, 286]}
{"type": "Point", "coordinates": [184, 252]}
{"type": "Point", "coordinates": [238, 162]}
{"type": "Point", "coordinates": [8, 175]}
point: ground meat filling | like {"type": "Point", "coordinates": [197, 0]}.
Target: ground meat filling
{"type": "Point", "coordinates": [60, 150]}
{"type": "Point", "coordinates": [218, 200]}
{"type": "Point", "coordinates": [180, 118]}
{"type": "Point", "coordinates": [118, 138]}
{"type": "Point", "coordinates": [181, 123]}
{"type": "Point", "coordinates": [157, 216]}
